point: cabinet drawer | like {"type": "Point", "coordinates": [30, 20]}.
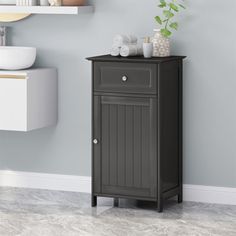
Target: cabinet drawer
{"type": "Point", "coordinates": [125, 77]}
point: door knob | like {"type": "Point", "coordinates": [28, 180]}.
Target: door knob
{"type": "Point", "coordinates": [95, 141]}
{"type": "Point", "coordinates": [124, 78]}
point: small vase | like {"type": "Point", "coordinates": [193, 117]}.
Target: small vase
{"type": "Point", "coordinates": [161, 45]}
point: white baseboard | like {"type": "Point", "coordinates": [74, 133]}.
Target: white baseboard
{"type": "Point", "coordinates": [45, 181]}
{"type": "Point", "coordinates": [209, 194]}
{"type": "Point", "coordinates": [195, 193]}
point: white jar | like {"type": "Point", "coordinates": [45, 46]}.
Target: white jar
{"type": "Point", "coordinates": [147, 50]}
{"type": "Point", "coordinates": [161, 45]}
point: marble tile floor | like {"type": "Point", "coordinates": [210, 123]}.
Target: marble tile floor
{"type": "Point", "coordinates": [30, 212]}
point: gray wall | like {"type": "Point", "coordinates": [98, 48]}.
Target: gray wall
{"type": "Point", "coordinates": [207, 36]}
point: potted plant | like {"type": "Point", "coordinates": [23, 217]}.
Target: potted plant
{"type": "Point", "coordinates": [167, 22]}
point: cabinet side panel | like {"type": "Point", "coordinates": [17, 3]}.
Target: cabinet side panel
{"type": "Point", "coordinates": [181, 129]}
{"type": "Point", "coordinates": [42, 96]}
{"type": "Point", "coordinates": [169, 125]}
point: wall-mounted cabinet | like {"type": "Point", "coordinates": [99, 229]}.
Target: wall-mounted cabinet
{"type": "Point", "coordinates": [28, 99]}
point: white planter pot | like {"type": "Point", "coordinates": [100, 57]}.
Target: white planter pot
{"type": "Point", "coordinates": [161, 45]}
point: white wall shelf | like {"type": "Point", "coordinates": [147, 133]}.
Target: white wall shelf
{"type": "Point", "coordinates": [47, 9]}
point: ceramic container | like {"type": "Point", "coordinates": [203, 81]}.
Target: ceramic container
{"type": "Point", "coordinates": [73, 2]}
{"type": "Point", "coordinates": [161, 45]}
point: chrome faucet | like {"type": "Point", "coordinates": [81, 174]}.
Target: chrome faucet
{"type": "Point", "coordinates": [2, 36]}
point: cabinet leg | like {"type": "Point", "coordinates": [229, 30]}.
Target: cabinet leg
{"type": "Point", "coordinates": [116, 202]}
{"type": "Point", "coordinates": [94, 201]}
{"type": "Point", "coordinates": [160, 205]}
{"type": "Point", "coordinates": [180, 198]}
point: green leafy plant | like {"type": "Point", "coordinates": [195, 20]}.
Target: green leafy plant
{"type": "Point", "coordinates": [169, 10]}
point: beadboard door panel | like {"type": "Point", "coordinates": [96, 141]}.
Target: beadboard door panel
{"type": "Point", "coordinates": [127, 141]}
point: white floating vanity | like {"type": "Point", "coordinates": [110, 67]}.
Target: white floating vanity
{"type": "Point", "coordinates": [28, 99]}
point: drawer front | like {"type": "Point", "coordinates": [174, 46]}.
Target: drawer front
{"type": "Point", "coordinates": [125, 77]}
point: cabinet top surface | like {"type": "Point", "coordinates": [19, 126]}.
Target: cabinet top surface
{"type": "Point", "coordinates": [141, 59]}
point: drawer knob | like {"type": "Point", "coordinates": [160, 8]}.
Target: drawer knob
{"type": "Point", "coordinates": [124, 78]}
{"type": "Point", "coordinates": [95, 141]}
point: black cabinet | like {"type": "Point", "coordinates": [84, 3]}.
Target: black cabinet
{"type": "Point", "coordinates": [137, 128]}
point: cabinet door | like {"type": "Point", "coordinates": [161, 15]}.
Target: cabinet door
{"type": "Point", "coordinates": [125, 157]}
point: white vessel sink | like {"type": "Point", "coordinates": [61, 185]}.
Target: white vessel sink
{"type": "Point", "coordinates": [16, 58]}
